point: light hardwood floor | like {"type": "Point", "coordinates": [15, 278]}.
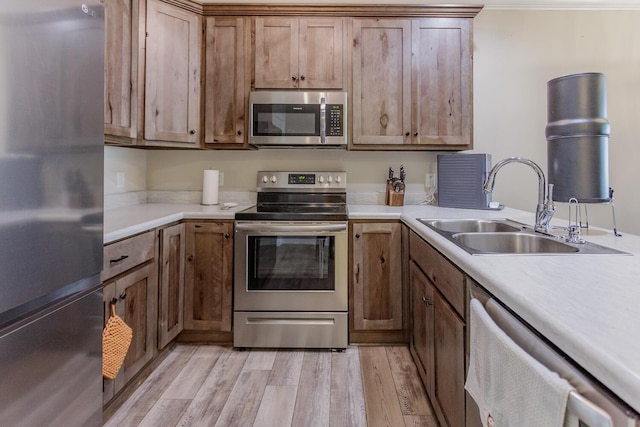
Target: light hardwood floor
{"type": "Point", "coordinates": [202, 385]}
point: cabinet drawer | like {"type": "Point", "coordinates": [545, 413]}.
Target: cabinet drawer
{"type": "Point", "coordinates": [444, 275]}
{"type": "Point", "coordinates": [128, 253]}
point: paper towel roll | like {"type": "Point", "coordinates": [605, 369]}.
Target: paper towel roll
{"type": "Point", "coordinates": [210, 187]}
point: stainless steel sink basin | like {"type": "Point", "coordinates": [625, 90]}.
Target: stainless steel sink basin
{"type": "Point", "coordinates": [473, 225]}
{"type": "Point", "coordinates": [507, 237]}
{"type": "Point", "coordinates": [513, 243]}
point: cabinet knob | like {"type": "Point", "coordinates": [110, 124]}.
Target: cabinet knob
{"type": "Point", "coordinates": [426, 301]}
{"type": "Point", "coordinates": [114, 300]}
{"type": "Point", "coordinates": [239, 132]}
{"type": "Point", "coordinates": [302, 78]}
{"type": "Point", "coordinates": [357, 236]}
{"type": "Point", "coordinates": [407, 133]}
{"type": "Point", "coordinates": [415, 134]}
{"type": "Point", "coordinates": [294, 78]}
{"type": "Point", "coordinates": [190, 258]}
{"type": "Point", "coordinates": [227, 235]}
{"type": "Point", "coordinates": [192, 132]}
{"type": "Point", "coordinates": [123, 295]}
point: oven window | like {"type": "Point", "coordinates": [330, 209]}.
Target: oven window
{"type": "Point", "coordinates": [291, 263]}
{"type": "Point", "coordinates": [286, 120]}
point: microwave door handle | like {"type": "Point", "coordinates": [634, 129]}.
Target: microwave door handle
{"type": "Point", "coordinates": [323, 120]}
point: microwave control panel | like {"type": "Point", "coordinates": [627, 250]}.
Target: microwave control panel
{"type": "Point", "coordinates": [334, 121]}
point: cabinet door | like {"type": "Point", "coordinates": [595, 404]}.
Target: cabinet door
{"type": "Point", "coordinates": [226, 85]}
{"type": "Point", "coordinates": [276, 52]}
{"type": "Point", "coordinates": [449, 363]}
{"type": "Point", "coordinates": [108, 294]}
{"type": "Point", "coordinates": [209, 276]}
{"type": "Point", "coordinates": [377, 276]}
{"type": "Point", "coordinates": [137, 303]}
{"type": "Point", "coordinates": [320, 55]}
{"type": "Point", "coordinates": [171, 282]}
{"type": "Point", "coordinates": [422, 296]}
{"type": "Point", "coordinates": [442, 103]}
{"type": "Point", "coordinates": [381, 82]}
{"type": "Point", "coordinates": [121, 68]}
{"type": "Point", "coordinates": [172, 97]}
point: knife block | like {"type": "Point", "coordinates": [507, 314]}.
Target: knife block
{"type": "Point", "coordinates": [392, 197]}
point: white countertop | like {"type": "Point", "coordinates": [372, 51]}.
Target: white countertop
{"type": "Point", "coordinates": [129, 220]}
{"type": "Point", "coordinates": [587, 305]}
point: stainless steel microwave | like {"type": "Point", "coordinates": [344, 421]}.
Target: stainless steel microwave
{"type": "Point", "coordinates": [298, 119]}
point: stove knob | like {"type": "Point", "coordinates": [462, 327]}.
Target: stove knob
{"type": "Point", "coordinates": [265, 179]}
{"type": "Point", "coordinates": [274, 179]}
{"type": "Point", "coordinates": [321, 179]}
{"type": "Point", "coordinates": [329, 179]}
{"type": "Point", "coordinates": [338, 179]}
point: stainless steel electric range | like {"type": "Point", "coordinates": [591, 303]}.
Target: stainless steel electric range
{"type": "Point", "coordinates": [290, 264]}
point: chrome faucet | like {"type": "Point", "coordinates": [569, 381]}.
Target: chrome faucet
{"type": "Point", "coordinates": [545, 207]}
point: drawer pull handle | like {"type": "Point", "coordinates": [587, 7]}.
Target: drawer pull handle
{"type": "Point", "coordinates": [122, 258]}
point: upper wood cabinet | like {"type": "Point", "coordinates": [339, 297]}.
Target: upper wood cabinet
{"type": "Point", "coordinates": [172, 78]}
{"type": "Point", "coordinates": [441, 83]}
{"type": "Point", "coordinates": [121, 70]}
{"type": "Point", "coordinates": [227, 81]}
{"type": "Point", "coordinates": [293, 53]}
{"type": "Point", "coordinates": [412, 84]}
{"type": "Point", "coordinates": [381, 93]}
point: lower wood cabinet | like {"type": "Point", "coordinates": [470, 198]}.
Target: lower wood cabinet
{"type": "Point", "coordinates": [136, 297]}
{"type": "Point", "coordinates": [171, 283]}
{"type": "Point", "coordinates": [422, 331]}
{"type": "Point", "coordinates": [377, 295]}
{"type": "Point", "coordinates": [438, 329]}
{"type": "Point", "coordinates": [208, 278]}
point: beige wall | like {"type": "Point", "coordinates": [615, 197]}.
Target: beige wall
{"type": "Point", "coordinates": [132, 164]}
{"type": "Point", "coordinates": [515, 53]}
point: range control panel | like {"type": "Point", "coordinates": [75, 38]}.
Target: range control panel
{"type": "Point", "coordinates": [301, 181]}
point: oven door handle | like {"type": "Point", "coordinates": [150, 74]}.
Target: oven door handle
{"type": "Point", "coordinates": [316, 228]}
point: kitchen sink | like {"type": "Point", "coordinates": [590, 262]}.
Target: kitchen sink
{"type": "Point", "coordinates": [513, 243]}
{"type": "Point", "coordinates": [473, 225]}
{"type": "Point", "coordinates": [507, 237]}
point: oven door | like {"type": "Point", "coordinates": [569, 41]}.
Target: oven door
{"type": "Point", "coordinates": [290, 266]}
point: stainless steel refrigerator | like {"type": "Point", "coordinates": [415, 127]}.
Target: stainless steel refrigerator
{"type": "Point", "coordinates": [51, 215]}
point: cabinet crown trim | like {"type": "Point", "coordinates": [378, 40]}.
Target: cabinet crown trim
{"type": "Point", "coordinates": [352, 10]}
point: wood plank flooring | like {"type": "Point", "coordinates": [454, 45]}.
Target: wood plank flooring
{"type": "Point", "coordinates": [203, 385]}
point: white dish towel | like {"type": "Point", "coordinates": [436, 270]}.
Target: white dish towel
{"type": "Point", "coordinates": [510, 387]}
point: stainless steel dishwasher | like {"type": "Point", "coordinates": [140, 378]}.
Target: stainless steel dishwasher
{"type": "Point", "coordinates": [590, 405]}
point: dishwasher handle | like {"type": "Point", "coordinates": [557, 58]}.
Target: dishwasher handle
{"type": "Point", "coordinates": [587, 412]}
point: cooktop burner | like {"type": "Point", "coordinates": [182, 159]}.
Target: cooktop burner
{"type": "Point", "coordinates": [299, 196]}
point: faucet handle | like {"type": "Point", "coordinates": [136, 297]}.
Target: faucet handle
{"type": "Point", "coordinates": [574, 230]}
{"type": "Point", "coordinates": [550, 192]}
